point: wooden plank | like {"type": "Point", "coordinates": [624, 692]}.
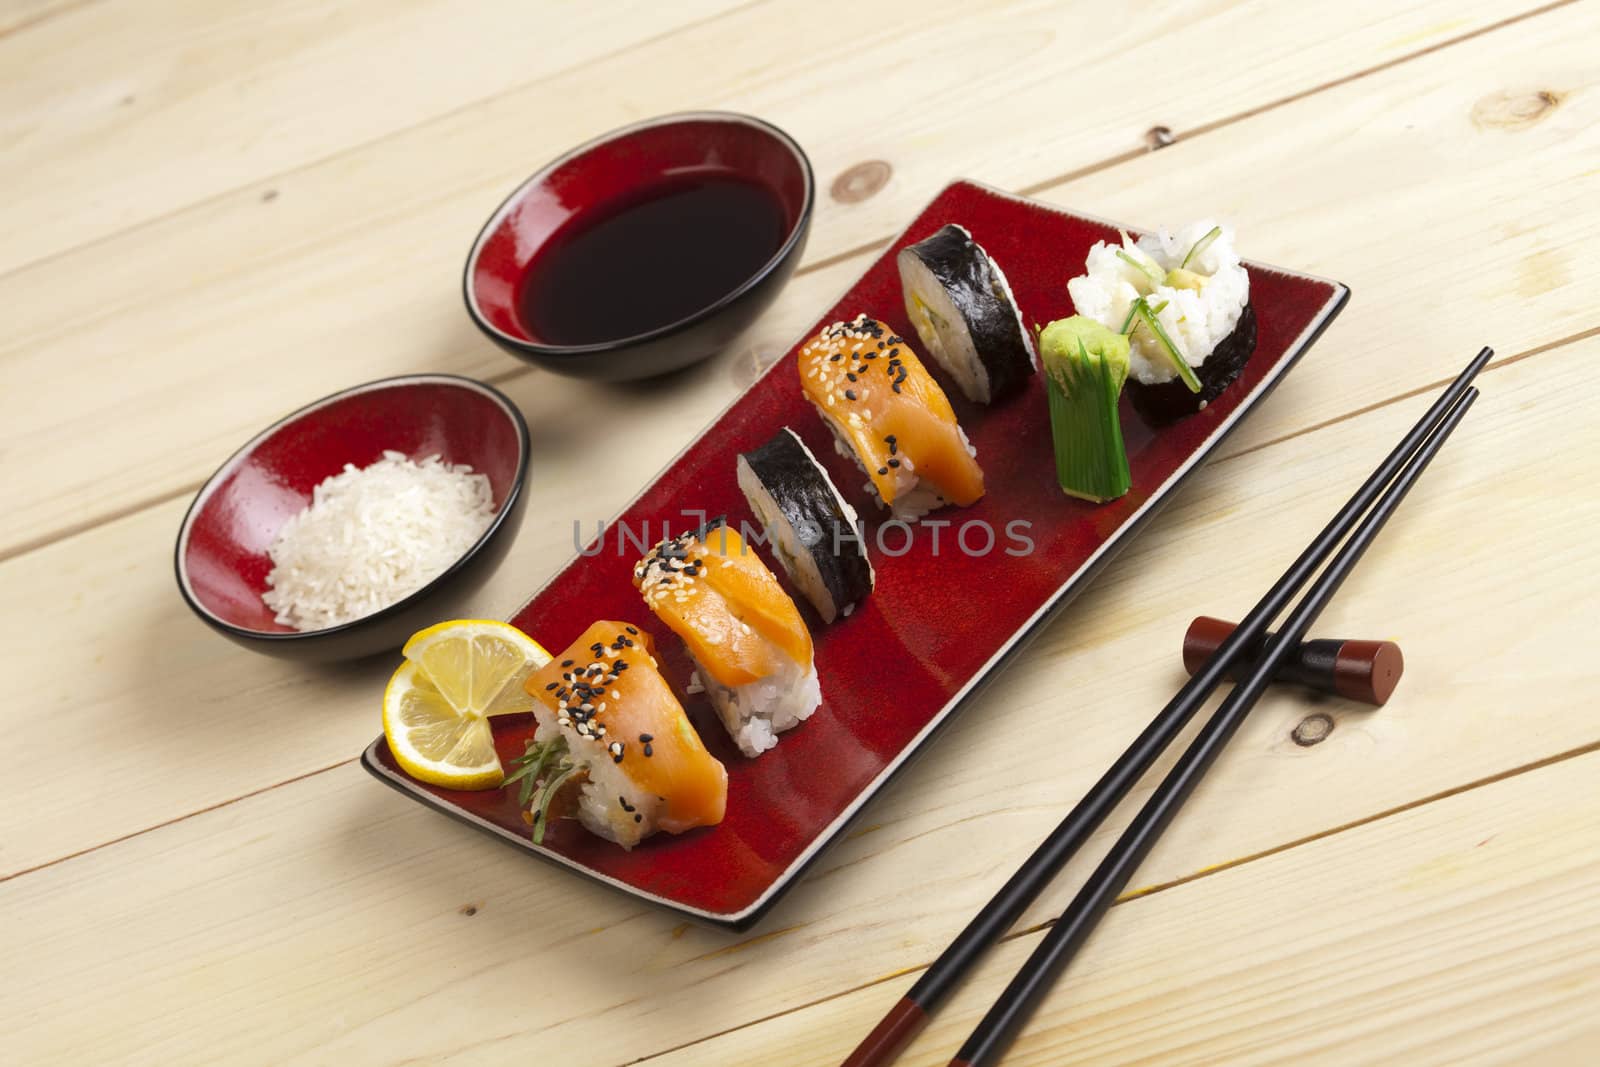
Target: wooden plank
{"type": "Point", "coordinates": [347, 270]}
{"type": "Point", "coordinates": [245, 919]}
{"type": "Point", "coordinates": [1461, 932]}
{"type": "Point", "coordinates": [117, 114]}
{"type": "Point", "coordinates": [19, 15]}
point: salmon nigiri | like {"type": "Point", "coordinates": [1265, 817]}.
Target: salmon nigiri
{"type": "Point", "coordinates": [750, 646]}
{"type": "Point", "coordinates": [608, 720]}
{"type": "Point", "coordinates": [890, 416]}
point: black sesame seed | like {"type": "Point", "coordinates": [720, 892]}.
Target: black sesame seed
{"type": "Point", "coordinates": [894, 463]}
{"type": "Point", "coordinates": [647, 752]}
{"type": "Point", "coordinates": [883, 470]}
{"type": "Point", "coordinates": [630, 629]}
{"type": "Point", "coordinates": [551, 686]}
{"type": "Point", "coordinates": [849, 394]}
{"type": "Point", "coordinates": [850, 375]}
{"type": "Point", "coordinates": [638, 818]}
{"type": "Point", "coordinates": [646, 738]}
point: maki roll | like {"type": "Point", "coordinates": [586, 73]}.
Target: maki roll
{"type": "Point", "coordinates": [961, 305]}
{"type": "Point", "coordinates": [751, 649]}
{"type": "Point", "coordinates": [890, 416]}
{"type": "Point", "coordinates": [814, 532]}
{"type": "Point", "coordinates": [1183, 299]}
{"type": "Point", "coordinates": [615, 743]}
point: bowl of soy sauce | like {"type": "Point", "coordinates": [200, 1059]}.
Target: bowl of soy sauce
{"type": "Point", "coordinates": [645, 250]}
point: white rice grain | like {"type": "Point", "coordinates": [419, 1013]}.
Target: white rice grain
{"type": "Point", "coordinates": [373, 536]}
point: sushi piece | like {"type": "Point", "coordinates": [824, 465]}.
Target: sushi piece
{"type": "Point", "coordinates": [614, 739]}
{"type": "Point", "coordinates": [890, 416]}
{"type": "Point", "coordinates": [961, 305]}
{"type": "Point", "coordinates": [1183, 299]}
{"type": "Point", "coordinates": [814, 532]}
{"type": "Point", "coordinates": [1085, 366]}
{"type": "Point", "coordinates": [751, 649]}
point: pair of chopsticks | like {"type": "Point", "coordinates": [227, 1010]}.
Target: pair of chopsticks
{"type": "Point", "coordinates": [1365, 513]}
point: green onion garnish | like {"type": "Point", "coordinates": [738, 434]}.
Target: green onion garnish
{"type": "Point", "coordinates": [1201, 245]}
{"type": "Point", "coordinates": [1147, 316]}
{"type": "Point", "coordinates": [1148, 270]}
{"type": "Point", "coordinates": [1086, 366]}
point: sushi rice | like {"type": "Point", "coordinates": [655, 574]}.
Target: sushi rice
{"type": "Point", "coordinates": [755, 714]}
{"type": "Point", "coordinates": [726, 632]}
{"type": "Point", "coordinates": [1202, 308]}
{"type": "Point", "coordinates": [608, 799]}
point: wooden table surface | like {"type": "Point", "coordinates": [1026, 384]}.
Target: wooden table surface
{"type": "Point", "coordinates": [215, 212]}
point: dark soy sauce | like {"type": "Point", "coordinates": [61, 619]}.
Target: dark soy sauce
{"type": "Point", "coordinates": [647, 260]}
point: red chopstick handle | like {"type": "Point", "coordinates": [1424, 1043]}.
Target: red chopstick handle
{"type": "Point", "coordinates": [892, 1034]}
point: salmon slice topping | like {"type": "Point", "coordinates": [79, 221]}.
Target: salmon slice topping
{"type": "Point", "coordinates": [605, 687]}
{"type": "Point", "coordinates": [716, 594]}
{"type": "Point", "coordinates": [872, 388]}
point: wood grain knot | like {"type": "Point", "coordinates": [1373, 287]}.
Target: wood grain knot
{"type": "Point", "coordinates": [1312, 730]}
{"type": "Point", "coordinates": [1157, 137]}
{"type": "Point", "coordinates": [1514, 111]}
{"type": "Point", "coordinates": [861, 181]}
{"type": "Point", "coordinates": [269, 196]}
{"type": "Point", "coordinates": [469, 910]}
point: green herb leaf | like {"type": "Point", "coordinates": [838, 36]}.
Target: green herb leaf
{"type": "Point", "coordinates": [1149, 270]}
{"type": "Point", "coordinates": [1147, 315]}
{"type": "Point", "coordinates": [541, 807]}
{"type": "Point", "coordinates": [1128, 324]}
{"type": "Point", "coordinates": [536, 756]}
{"type": "Point", "coordinates": [1201, 245]}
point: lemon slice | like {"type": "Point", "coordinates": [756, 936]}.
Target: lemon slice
{"type": "Point", "coordinates": [436, 708]}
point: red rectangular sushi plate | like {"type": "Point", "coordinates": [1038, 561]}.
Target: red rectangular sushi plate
{"type": "Point", "coordinates": [914, 652]}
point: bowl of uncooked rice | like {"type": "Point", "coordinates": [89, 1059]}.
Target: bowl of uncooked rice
{"type": "Point", "coordinates": [349, 524]}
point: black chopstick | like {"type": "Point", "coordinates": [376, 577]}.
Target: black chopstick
{"type": "Point", "coordinates": [995, 1032]}
{"type": "Point", "coordinates": [911, 1012]}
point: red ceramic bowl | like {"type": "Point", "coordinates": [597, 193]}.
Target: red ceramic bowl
{"type": "Point", "coordinates": [592, 178]}
{"type": "Point", "coordinates": [221, 556]}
